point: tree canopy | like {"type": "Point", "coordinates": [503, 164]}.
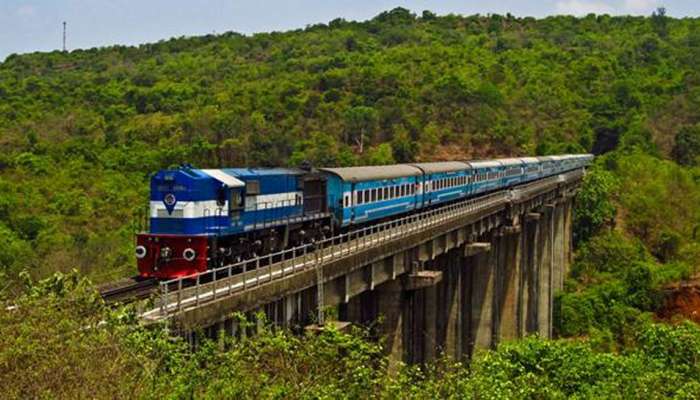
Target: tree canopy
{"type": "Point", "coordinates": [80, 132]}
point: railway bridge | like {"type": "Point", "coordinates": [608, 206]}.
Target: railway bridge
{"type": "Point", "coordinates": [445, 281]}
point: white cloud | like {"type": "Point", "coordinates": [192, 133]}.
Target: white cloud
{"type": "Point", "coordinates": [583, 7]}
{"type": "Point", "coordinates": [26, 11]}
{"type": "Point", "coordinates": [640, 6]}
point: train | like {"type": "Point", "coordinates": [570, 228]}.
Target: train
{"type": "Point", "coordinates": [204, 218]}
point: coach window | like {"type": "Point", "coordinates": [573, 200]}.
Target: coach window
{"type": "Point", "coordinates": [366, 195]}
{"type": "Point", "coordinates": [360, 199]}
{"type": "Point", "coordinates": [380, 194]}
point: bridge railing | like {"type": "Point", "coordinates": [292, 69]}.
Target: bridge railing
{"type": "Point", "coordinates": [195, 289]}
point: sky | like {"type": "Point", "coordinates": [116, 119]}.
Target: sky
{"type": "Point", "coordinates": [36, 25]}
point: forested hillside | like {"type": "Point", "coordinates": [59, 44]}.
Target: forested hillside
{"type": "Point", "coordinates": [80, 133]}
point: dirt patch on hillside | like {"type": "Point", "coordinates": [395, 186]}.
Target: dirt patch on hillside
{"type": "Point", "coordinates": [682, 300]}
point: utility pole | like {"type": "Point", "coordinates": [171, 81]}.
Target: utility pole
{"type": "Point", "coordinates": [64, 36]}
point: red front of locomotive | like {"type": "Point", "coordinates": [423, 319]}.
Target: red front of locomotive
{"type": "Point", "coordinates": [165, 256]}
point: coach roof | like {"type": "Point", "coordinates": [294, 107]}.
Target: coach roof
{"type": "Point", "coordinates": [436, 167]}
{"type": "Point", "coordinates": [362, 174]}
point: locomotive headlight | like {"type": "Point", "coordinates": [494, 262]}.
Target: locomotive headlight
{"type": "Point", "coordinates": [140, 252]}
{"type": "Point", "coordinates": [166, 252]}
{"type": "Point", "coordinates": [189, 254]}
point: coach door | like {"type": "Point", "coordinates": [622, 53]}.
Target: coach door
{"type": "Point", "coordinates": [314, 193]}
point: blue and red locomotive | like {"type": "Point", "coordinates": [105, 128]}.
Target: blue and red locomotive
{"type": "Point", "coordinates": [202, 218]}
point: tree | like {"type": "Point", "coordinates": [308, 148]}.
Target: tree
{"type": "Point", "coordinates": [660, 22]}
{"type": "Point", "coordinates": [321, 150]}
{"type": "Point", "coordinates": [594, 208]}
{"type": "Point", "coordinates": [361, 122]}
{"type": "Point", "coordinates": [686, 148]}
{"type": "Point", "coordinates": [404, 149]}
{"type": "Point", "coordinates": [380, 155]}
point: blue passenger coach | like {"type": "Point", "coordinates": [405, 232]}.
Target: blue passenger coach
{"type": "Point", "coordinates": [372, 193]}
{"type": "Point", "coordinates": [486, 176]}
{"type": "Point", "coordinates": [442, 182]}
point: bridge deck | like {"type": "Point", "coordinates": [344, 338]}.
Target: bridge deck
{"type": "Point", "coordinates": [250, 283]}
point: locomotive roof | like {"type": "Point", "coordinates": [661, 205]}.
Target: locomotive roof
{"type": "Point", "coordinates": [224, 177]}
{"type": "Point", "coordinates": [446, 166]}
{"type": "Point", "coordinates": [253, 172]}
{"type": "Point", "coordinates": [361, 174]}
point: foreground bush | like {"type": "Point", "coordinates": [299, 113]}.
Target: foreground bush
{"type": "Point", "coordinates": [60, 341]}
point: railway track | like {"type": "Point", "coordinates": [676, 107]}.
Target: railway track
{"type": "Point", "coordinates": [129, 289]}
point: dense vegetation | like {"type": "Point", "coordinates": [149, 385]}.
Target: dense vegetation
{"type": "Point", "coordinates": [80, 133]}
{"type": "Point", "coordinates": [53, 345]}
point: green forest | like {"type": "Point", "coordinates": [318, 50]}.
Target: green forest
{"type": "Point", "coordinates": [81, 132]}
